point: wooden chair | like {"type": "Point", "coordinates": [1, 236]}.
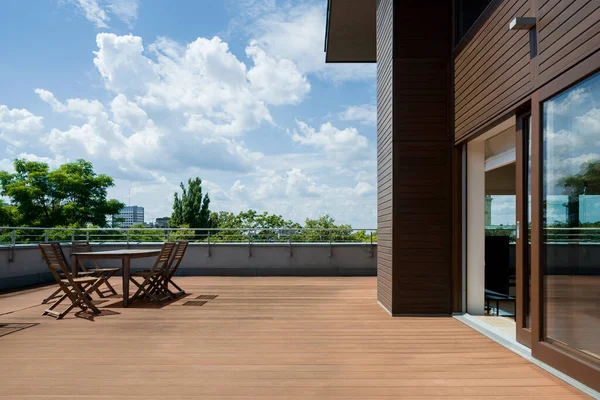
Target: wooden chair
{"type": "Point", "coordinates": [83, 246]}
{"type": "Point", "coordinates": [57, 293]}
{"type": "Point", "coordinates": [174, 265]}
{"type": "Point", "coordinates": [161, 286]}
{"type": "Point", "coordinates": [152, 276]}
{"type": "Point", "coordinates": [77, 290]}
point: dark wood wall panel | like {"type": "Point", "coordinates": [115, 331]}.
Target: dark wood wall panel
{"type": "Point", "coordinates": [385, 19]}
{"type": "Point", "coordinates": [422, 155]}
{"type": "Point", "coordinates": [492, 72]}
{"type": "Point", "coordinates": [568, 31]}
{"type": "Point", "coordinates": [422, 235]}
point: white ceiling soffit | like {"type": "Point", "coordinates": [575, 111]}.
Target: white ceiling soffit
{"type": "Point", "coordinates": [500, 150]}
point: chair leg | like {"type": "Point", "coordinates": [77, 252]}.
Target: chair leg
{"type": "Point", "coordinates": [105, 282]}
{"type": "Point", "coordinates": [144, 288]}
{"type": "Point", "coordinates": [76, 296]}
{"type": "Point", "coordinates": [181, 291]}
{"type": "Point", "coordinates": [50, 309]}
{"type": "Point", "coordinates": [85, 296]}
{"type": "Point", "coordinates": [52, 296]}
{"type": "Point", "coordinates": [108, 285]}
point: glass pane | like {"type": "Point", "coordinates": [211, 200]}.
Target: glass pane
{"type": "Point", "coordinates": [571, 218]}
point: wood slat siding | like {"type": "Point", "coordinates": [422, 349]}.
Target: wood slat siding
{"type": "Point", "coordinates": [414, 132]}
{"type": "Point", "coordinates": [385, 18]}
{"type": "Point", "coordinates": [568, 31]}
{"type": "Point", "coordinates": [492, 72]}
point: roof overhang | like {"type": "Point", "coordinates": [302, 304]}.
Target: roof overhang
{"type": "Point", "coordinates": [350, 35]}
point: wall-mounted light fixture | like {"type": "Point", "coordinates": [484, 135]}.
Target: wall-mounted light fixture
{"type": "Point", "coordinates": [526, 23]}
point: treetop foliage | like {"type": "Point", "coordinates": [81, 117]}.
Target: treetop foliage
{"type": "Point", "coordinates": [191, 209]}
{"type": "Point", "coordinates": [71, 195]}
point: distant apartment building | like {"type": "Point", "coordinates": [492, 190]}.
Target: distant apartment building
{"type": "Point", "coordinates": [162, 222]}
{"type": "Point", "coordinates": [128, 216]}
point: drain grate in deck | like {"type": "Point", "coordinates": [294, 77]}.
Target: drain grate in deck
{"type": "Point", "coordinates": [6, 329]}
{"type": "Point", "coordinates": [194, 303]}
{"type": "Point", "coordinates": [207, 296]}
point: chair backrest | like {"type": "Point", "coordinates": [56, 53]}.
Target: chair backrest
{"type": "Point", "coordinates": [55, 260]}
{"type": "Point", "coordinates": [162, 261]}
{"type": "Point", "coordinates": [82, 246]}
{"type": "Point", "coordinates": [177, 256]}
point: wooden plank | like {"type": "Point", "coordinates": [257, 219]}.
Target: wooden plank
{"type": "Point", "coordinates": [275, 337]}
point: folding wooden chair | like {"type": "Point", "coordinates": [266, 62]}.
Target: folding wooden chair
{"type": "Point", "coordinates": [83, 246]}
{"type": "Point", "coordinates": [174, 265]}
{"type": "Point", "coordinates": [77, 290]}
{"type": "Point", "coordinates": [57, 293]}
{"type": "Point", "coordinates": [161, 286]}
{"type": "Point", "coordinates": [152, 276]}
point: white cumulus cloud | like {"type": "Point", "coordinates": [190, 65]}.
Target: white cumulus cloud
{"type": "Point", "coordinates": [366, 114]}
{"type": "Point", "coordinates": [97, 11]}
{"type": "Point", "coordinates": [203, 81]}
{"type": "Point", "coordinates": [341, 142]}
{"type": "Point", "coordinates": [18, 125]}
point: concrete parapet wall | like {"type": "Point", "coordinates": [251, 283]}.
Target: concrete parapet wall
{"type": "Point", "coordinates": [24, 266]}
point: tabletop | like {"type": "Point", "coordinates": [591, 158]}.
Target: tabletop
{"type": "Point", "coordinates": [118, 253]}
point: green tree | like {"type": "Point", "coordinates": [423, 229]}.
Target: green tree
{"type": "Point", "coordinates": [325, 229]}
{"type": "Point", "coordinates": [587, 182]}
{"type": "Point", "coordinates": [138, 233]}
{"type": "Point", "coordinates": [7, 214]}
{"type": "Point", "coordinates": [191, 209]}
{"type": "Point", "coordinates": [72, 195]}
{"type": "Point", "coordinates": [258, 225]}
{"type": "Point", "coordinates": [363, 237]}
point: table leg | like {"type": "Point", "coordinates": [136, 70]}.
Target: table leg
{"type": "Point", "coordinates": [74, 268]}
{"type": "Point", "coordinates": [126, 264]}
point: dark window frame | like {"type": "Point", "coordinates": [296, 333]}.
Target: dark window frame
{"type": "Point", "coordinates": [485, 14]}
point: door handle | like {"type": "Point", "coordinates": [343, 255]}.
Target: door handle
{"type": "Point", "coordinates": [518, 229]}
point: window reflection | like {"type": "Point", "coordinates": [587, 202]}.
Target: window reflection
{"type": "Point", "coordinates": [571, 218]}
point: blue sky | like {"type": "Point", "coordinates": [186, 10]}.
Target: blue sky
{"type": "Point", "coordinates": [155, 92]}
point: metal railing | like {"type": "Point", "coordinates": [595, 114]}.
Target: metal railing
{"type": "Point", "coordinates": [12, 236]}
{"type": "Point", "coordinates": [558, 235]}
{"type": "Point", "coordinates": [571, 235]}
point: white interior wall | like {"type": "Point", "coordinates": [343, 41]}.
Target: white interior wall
{"type": "Point", "coordinates": [498, 152]}
{"type": "Point", "coordinates": [475, 227]}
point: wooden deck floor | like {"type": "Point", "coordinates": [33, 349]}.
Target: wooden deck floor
{"type": "Point", "coordinates": [261, 338]}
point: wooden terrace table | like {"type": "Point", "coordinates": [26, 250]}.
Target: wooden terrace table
{"type": "Point", "coordinates": [124, 255]}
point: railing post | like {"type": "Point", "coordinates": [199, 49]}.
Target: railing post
{"type": "Point", "coordinates": [249, 243]}
{"type": "Point", "coordinates": [13, 243]}
{"type": "Point", "coordinates": [371, 247]}
{"type": "Point", "coordinates": [46, 235]}
{"type": "Point", "coordinates": [290, 242]}
{"type": "Point", "coordinates": [330, 254]}
{"type": "Point", "coordinates": [168, 236]}
{"type": "Point", "coordinates": [72, 236]}
{"type": "Point", "coordinates": [127, 238]}
{"type": "Point", "coordinates": [87, 235]}
{"type": "Point", "coordinates": [209, 243]}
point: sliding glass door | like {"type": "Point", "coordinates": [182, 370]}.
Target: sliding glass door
{"type": "Point", "coordinates": [570, 218]}
{"type": "Point", "coordinates": [523, 229]}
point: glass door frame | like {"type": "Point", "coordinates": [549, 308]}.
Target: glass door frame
{"type": "Point", "coordinates": [523, 136]}
{"type": "Point", "coordinates": [569, 363]}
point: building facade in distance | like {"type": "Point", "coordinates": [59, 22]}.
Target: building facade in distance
{"type": "Point", "coordinates": [162, 222]}
{"type": "Point", "coordinates": [128, 216]}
